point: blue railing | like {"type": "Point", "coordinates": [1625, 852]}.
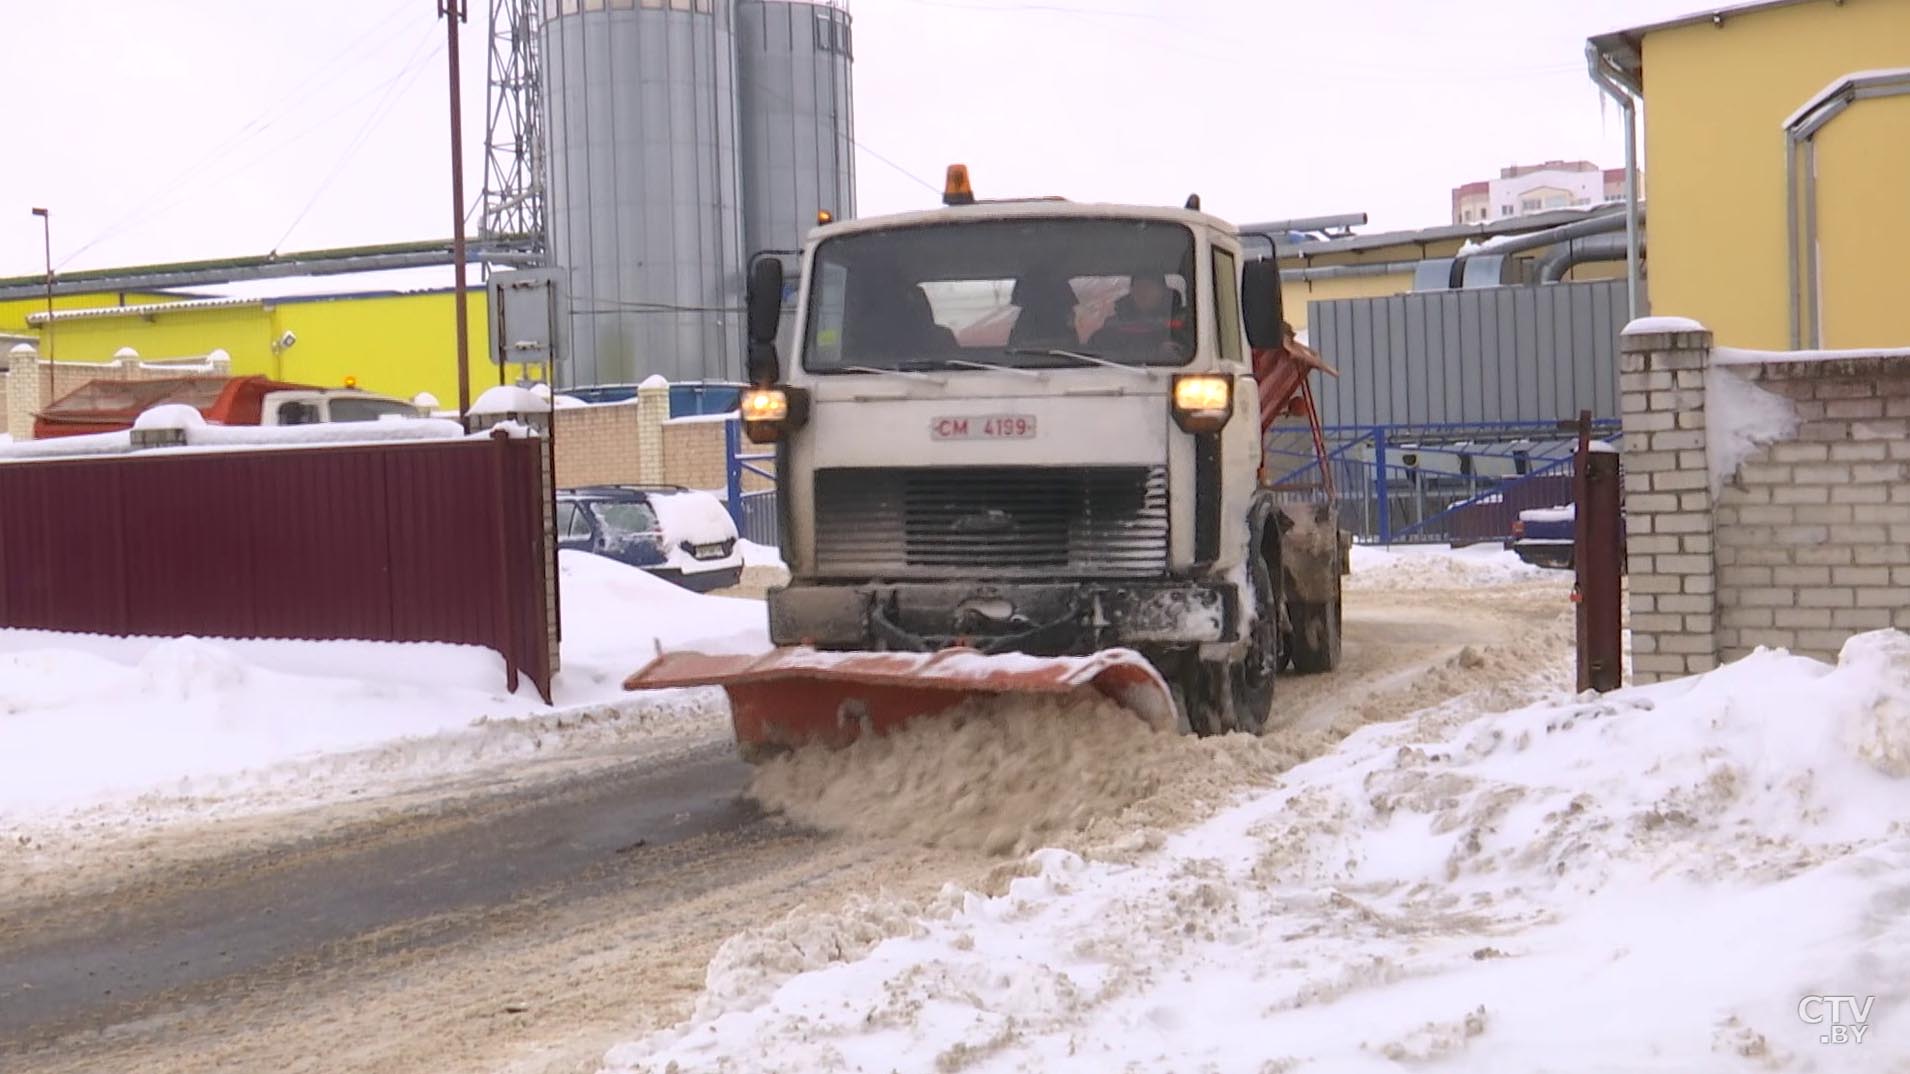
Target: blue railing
{"type": "Point", "coordinates": [1435, 483]}
{"type": "Point", "coordinates": [757, 514]}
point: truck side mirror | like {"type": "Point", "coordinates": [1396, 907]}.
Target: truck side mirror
{"type": "Point", "coordinates": [765, 303]}
{"type": "Point", "coordinates": [1260, 303]}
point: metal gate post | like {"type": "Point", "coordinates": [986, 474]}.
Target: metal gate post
{"type": "Point", "coordinates": [1381, 489]}
{"type": "Point", "coordinates": [1597, 541]}
{"type": "Point", "coordinates": [733, 472]}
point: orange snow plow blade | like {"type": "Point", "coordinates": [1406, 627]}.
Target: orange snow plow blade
{"type": "Point", "coordinates": [792, 698]}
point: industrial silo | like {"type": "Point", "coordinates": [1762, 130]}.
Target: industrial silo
{"type": "Point", "coordinates": [793, 65]}
{"type": "Point", "coordinates": [645, 198]}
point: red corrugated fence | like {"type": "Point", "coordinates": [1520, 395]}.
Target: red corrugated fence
{"type": "Point", "coordinates": [438, 541]}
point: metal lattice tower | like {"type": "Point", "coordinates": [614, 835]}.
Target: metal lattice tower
{"type": "Point", "coordinates": [514, 161]}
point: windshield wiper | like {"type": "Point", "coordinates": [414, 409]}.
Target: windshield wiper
{"type": "Point", "coordinates": [993, 368]}
{"type": "Point", "coordinates": [1091, 359]}
{"type": "Point", "coordinates": [903, 373]}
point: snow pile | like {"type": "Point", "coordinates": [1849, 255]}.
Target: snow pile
{"type": "Point", "coordinates": [87, 719]}
{"type": "Point", "coordinates": [510, 399]}
{"type": "Point", "coordinates": [760, 555]}
{"type": "Point", "coordinates": [1008, 776]}
{"type": "Point", "coordinates": [1655, 879]}
{"type": "Point", "coordinates": [1740, 420]}
{"type": "Point", "coordinates": [1411, 567]}
{"type": "Point", "coordinates": [170, 416]}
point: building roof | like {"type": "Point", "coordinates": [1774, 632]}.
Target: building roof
{"type": "Point", "coordinates": [146, 310]}
{"type": "Point", "coordinates": [1624, 49]}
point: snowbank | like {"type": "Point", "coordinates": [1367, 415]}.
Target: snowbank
{"type": "Point", "coordinates": [1656, 879]}
{"type": "Point", "coordinates": [759, 555]}
{"type": "Point", "coordinates": [1440, 567]}
{"type": "Point", "coordinates": [86, 719]}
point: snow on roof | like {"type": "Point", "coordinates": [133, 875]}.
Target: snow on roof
{"type": "Point", "coordinates": [1644, 326]}
{"type": "Point", "coordinates": [1738, 356]}
{"type": "Point", "coordinates": [508, 399]}
{"type": "Point", "coordinates": [147, 310]}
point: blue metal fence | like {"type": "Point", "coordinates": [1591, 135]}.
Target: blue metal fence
{"type": "Point", "coordinates": [757, 514]}
{"type": "Point", "coordinates": [1435, 484]}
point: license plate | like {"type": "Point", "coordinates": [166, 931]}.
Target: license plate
{"type": "Point", "coordinates": [708, 551]}
{"type": "Point", "coordinates": [997, 427]}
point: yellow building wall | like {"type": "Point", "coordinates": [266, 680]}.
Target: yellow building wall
{"type": "Point", "coordinates": [398, 344]}
{"type": "Point", "coordinates": [244, 332]}
{"type": "Point", "coordinates": [1715, 102]}
{"type": "Point", "coordinates": [394, 344]}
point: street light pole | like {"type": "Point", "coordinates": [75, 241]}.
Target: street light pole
{"type": "Point", "coordinates": [46, 336]}
{"type": "Point", "coordinates": [454, 13]}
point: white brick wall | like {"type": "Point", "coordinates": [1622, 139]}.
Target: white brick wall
{"type": "Point", "coordinates": [1807, 544]}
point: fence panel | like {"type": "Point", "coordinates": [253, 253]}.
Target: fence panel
{"type": "Point", "coordinates": [412, 542]}
{"type": "Point", "coordinates": [1495, 354]}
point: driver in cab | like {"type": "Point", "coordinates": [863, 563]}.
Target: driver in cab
{"type": "Point", "coordinates": [1150, 319]}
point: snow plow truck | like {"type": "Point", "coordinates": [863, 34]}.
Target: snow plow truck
{"type": "Point", "coordinates": [1019, 451]}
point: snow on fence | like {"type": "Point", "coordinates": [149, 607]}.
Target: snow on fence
{"type": "Point", "coordinates": [431, 541]}
{"type": "Point", "coordinates": [1767, 502]}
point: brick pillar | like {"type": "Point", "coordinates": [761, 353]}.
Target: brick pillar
{"type": "Point", "coordinates": [653, 409]}
{"type": "Point", "coordinates": [1669, 524]}
{"type": "Point", "coordinates": [23, 390]}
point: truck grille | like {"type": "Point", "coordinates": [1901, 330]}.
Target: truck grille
{"type": "Point", "coordinates": [999, 521]}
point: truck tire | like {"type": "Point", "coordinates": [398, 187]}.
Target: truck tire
{"type": "Point", "coordinates": [1221, 697]}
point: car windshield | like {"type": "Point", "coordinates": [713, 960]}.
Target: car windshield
{"type": "Point", "coordinates": [1036, 293]}
{"type": "Point", "coordinates": [625, 519]}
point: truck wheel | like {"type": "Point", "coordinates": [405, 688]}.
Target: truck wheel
{"type": "Point", "coordinates": [1237, 695]}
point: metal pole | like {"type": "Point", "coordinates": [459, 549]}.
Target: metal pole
{"type": "Point", "coordinates": [1381, 483]}
{"type": "Point", "coordinates": [1632, 262]}
{"type": "Point", "coordinates": [46, 337]}
{"type": "Point", "coordinates": [453, 12]}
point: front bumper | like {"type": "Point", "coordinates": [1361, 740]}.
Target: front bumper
{"type": "Point", "coordinates": [1039, 618]}
{"type": "Point", "coordinates": [700, 581]}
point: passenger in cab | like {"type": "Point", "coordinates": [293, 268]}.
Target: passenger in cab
{"type": "Point", "coordinates": [1149, 321]}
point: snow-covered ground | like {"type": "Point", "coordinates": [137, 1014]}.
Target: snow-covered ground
{"type": "Point", "coordinates": [1662, 878]}
{"type": "Point", "coordinates": [86, 721]}
{"type": "Point", "coordinates": [1409, 567]}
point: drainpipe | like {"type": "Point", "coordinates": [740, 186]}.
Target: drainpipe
{"type": "Point", "coordinates": [1627, 96]}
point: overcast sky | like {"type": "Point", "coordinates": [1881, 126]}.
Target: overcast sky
{"type": "Point", "coordinates": [183, 129]}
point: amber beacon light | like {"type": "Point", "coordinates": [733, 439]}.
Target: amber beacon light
{"type": "Point", "coordinates": [957, 191]}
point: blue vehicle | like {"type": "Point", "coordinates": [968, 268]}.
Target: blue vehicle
{"type": "Point", "coordinates": [1548, 537]}
{"type": "Point", "coordinates": [680, 535]}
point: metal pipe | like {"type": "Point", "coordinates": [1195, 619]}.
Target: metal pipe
{"type": "Point", "coordinates": [1580, 251]}
{"type": "Point", "coordinates": [453, 14]}
{"type": "Point", "coordinates": [46, 338]}
{"type": "Point", "coordinates": [1627, 98]}
{"type": "Point", "coordinates": [1347, 272]}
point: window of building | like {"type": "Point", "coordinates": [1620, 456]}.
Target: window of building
{"type": "Point", "coordinates": [1505, 210]}
{"type": "Point", "coordinates": [593, 5]}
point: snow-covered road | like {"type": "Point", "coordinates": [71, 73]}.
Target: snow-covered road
{"type": "Point", "coordinates": [552, 977]}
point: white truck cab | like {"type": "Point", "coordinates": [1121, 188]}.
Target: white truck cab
{"type": "Point", "coordinates": [316, 407]}
{"type": "Point", "coordinates": [1030, 426]}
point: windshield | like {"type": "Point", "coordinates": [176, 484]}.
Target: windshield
{"type": "Point", "coordinates": [1042, 293]}
{"type": "Point", "coordinates": [625, 519]}
{"type": "Point", "coordinates": [348, 409]}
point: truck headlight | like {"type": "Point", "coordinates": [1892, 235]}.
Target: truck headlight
{"type": "Point", "coordinates": [770, 413]}
{"type": "Point", "coordinates": [1203, 402]}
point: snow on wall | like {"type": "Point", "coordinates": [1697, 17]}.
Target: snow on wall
{"type": "Point", "coordinates": [1740, 356]}
{"type": "Point", "coordinates": [1645, 326]}
{"type": "Point", "coordinates": [1740, 419]}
